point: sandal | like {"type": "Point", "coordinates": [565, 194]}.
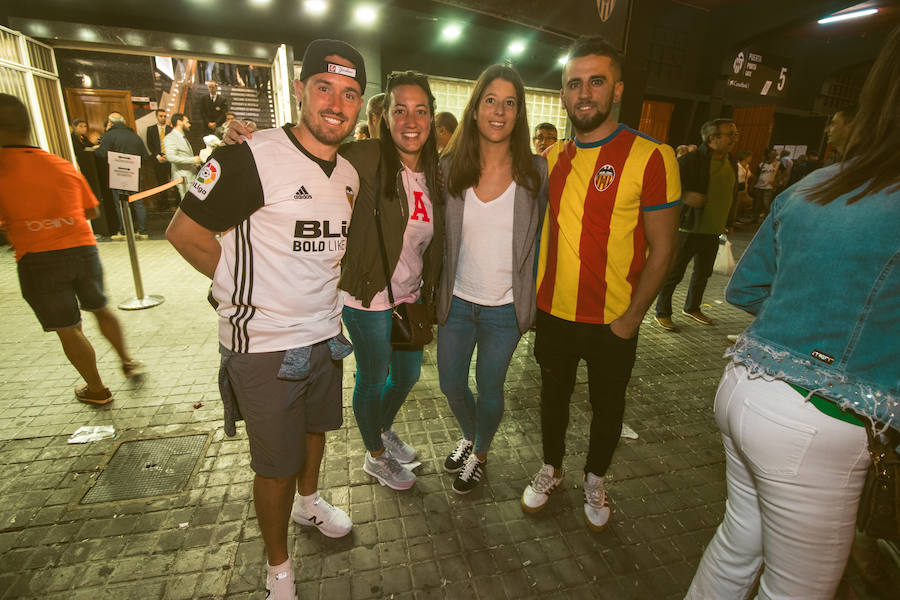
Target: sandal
{"type": "Point", "coordinates": [85, 395]}
{"type": "Point", "coordinates": [132, 368]}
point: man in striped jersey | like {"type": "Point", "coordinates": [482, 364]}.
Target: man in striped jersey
{"type": "Point", "coordinates": [606, 245]}
{"type": "Point", "coordinates": [282, 202]}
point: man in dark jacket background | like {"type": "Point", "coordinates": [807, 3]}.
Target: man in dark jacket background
{"type": "Point", "coordinates": [709, 190]}
{"type": "Point", "coordinates": [119, 138]}
{"type": "Point", "coordinates": [213, 107]}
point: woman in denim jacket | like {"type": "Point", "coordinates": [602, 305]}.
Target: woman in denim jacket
{"type": "Point", "coordinates": [822, 277]}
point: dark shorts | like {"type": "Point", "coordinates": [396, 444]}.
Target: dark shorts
{"type": "Point", "coordinates": [55, 283]}
{"type": "Point", "coordinates": [278, 414]}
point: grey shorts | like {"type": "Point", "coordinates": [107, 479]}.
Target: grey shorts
{"type": "Point", "coordinates": [278, 414]}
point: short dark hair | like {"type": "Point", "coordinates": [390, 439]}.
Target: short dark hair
{"type": "Point", "coordinates": [599, 46]}
{"type": "Point", "coordinates": [446, 120]}
{"type": "Point", "coordinates": [13, 115]}
{"type": "Point", "coordinates": [175, 118]}
{"type": "Point", "coordinates": [160, 110]}
{"type": "Point", "coordinates": [544, 126]}
{"type": "Point", "coordinates": [77, 122]}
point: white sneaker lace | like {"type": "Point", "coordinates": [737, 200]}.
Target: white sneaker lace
{"type": "Point", "coordinates": [390, 436]}
{"type": "Point", "coordinates": [595, 495]}
{"type": "Point", "coordinates": [468, 470]}
{"type": "Point", "coordinates": [544, 480]}
{"type": "Point", "coordinates": [461, 447]}
{"type": "Point", "coordinates": [392, 464]}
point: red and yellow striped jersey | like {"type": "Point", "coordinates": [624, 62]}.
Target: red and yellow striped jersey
{"type": "Point", "coordinates": [592, 247]}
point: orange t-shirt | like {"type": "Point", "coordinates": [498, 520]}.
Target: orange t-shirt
{"type": "Point", "coordinates": [42, 201]}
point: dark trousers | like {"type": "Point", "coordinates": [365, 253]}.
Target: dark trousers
{"type": "Point", "coordinates": [702, 249]}
{"type": "Point", "coordinates": [558, 346]}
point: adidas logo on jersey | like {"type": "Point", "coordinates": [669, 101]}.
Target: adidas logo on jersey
{"type": "Point", "coordinates": [302, 194]}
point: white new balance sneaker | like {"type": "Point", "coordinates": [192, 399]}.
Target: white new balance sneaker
{"type": "Point", "coordinates": [538, 491]}
{"type": "Point", "coordinates": [331, 521]}
{"type": "Point", "coordinates": [280, 582]}
{"type": "Point", "coordinates": [596, 504]}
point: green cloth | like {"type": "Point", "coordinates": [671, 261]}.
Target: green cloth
{"type": "Point", "coordinates": [719, 195]}
{"type": "Point", "coordinates": [828, 407]}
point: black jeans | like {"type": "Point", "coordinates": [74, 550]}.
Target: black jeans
{"type": "Point", "coordinates": [558, 346]}
{"type": "Point", "coordinates": [702, 249]}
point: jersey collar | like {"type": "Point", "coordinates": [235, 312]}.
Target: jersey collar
{"type": "Point", "coordinates": [599, 143]}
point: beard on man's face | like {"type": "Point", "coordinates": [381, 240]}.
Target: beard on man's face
{"type": "Point", "coordinates": [323, 135]}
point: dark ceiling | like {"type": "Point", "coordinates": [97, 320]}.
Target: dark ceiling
{"type": "Point", "coordinates": [408, 31]}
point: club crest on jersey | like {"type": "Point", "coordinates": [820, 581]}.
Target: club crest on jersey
{"type": "Point", "coordinates": [349, 191]}
{"type": "Point", "coordinates": [206, 178]}
{"type": "Point", "coordinates": [604, 177]}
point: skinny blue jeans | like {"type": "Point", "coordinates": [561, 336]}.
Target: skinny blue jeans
{"type": "Point", "coordinates": [384, 376]}
{"type": "Point", "coordinates": [495, 330]}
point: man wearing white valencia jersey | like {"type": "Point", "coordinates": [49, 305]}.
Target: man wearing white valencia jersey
{"type": "Point", "coordinates": [282, 203]}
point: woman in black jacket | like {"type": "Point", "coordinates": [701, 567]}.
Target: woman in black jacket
{"type": "Point", "coordinates": [399, 187]}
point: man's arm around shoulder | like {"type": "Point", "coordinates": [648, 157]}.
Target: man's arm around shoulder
{"type": "Point", "coordinates": [197, 244]}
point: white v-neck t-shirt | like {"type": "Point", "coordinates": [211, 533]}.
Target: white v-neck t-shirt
{"type": "Point", "coordinates": [484, 266]}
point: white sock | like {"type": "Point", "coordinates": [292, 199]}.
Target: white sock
{"type": "Point", "coordinates": [285, 566]}
{"type": "Point", "coordinates": [308, 501]}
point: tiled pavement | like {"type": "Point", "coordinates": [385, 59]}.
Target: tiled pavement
{"type": "Point", "coordinates": [667, 488]}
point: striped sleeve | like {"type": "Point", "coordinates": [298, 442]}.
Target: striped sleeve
{"type": "Point", "coordinates": [662, 180]}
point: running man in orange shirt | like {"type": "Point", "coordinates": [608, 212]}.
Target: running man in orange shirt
{"type": "Point", "coordinates": [45, 205]}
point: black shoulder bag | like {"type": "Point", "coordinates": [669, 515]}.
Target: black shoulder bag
{"type": "Point", "coordinates": [879, 506]}
{"type": "Point", "coordinates": [410, 322]}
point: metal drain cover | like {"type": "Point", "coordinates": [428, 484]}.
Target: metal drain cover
{"type": "Point", "coordinates": [145, 468]}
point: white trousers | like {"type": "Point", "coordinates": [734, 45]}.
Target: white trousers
{"type": "Point", "coordinates": [794, 478]}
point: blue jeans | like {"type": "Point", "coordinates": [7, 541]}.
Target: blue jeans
{"type": "Point", "coordinates": [140, 211]}
{"type": "Point", "coordinates": [384, 376]}
{"type": "Point", "coordinates": [495, 330]}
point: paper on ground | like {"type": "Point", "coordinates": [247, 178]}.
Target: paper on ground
{"type": "Point", "coordinates": [92, 433]}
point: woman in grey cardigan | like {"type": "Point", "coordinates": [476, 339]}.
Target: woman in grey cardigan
{"type": "Point", "coordinates": [496, 193]}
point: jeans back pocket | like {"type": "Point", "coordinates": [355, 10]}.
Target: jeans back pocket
{"type": "Point", "coordinates": [774, 444]}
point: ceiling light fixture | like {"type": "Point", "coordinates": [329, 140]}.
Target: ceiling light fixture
{"type": "Point", "coordinates": [451, 32]}
{"type": "Point", "coordinates": [315, 7]}
{"type": "Point", "coordinates": [260, 2]}
{"type": "Point", "coordinates": [562, 60]}
{"type": "Point", "coordinates": [516, 48]}
{"type": "Point", "coordinates": [856, 14]}
{"type": "Point", "coordinates": [365, 14]}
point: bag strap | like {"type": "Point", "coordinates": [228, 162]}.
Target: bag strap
{"type": "Point", "coordinates": [384, 260]}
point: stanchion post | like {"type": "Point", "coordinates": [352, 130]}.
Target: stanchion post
{"type": "Point", "coordinates": [140, 301]}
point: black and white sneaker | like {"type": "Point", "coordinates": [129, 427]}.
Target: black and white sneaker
{"type": "Point", "coordinates": [470, 475]}
{"type": "Point", "coordinates": [458, 457]}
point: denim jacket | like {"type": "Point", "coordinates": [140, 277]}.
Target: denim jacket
{"type": "Point", "coordinates": [824, 284]}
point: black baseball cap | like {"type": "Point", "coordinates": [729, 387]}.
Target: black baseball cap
{"type": "Point", "coordinates": [314, 61]}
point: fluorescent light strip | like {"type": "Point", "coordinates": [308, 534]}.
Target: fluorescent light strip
{"type": "Point", "coordinates": [850, 15]}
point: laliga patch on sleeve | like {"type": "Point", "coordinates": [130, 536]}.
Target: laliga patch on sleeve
{"type": "Point", "coordinates": [206, 179]}
{"type": "Point", "coordinates": [341, 70]}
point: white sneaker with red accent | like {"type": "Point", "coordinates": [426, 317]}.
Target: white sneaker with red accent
{"type": "Point", "coordinates": [596, 504]}
{"type": "Point", "coordinates": [538, 491]}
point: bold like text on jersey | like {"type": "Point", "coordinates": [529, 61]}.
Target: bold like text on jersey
{"type": "Point", "coordinates": [317, 236]}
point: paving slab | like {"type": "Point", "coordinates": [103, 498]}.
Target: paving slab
{"type": "Point", "coordinates": [666, 487]}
